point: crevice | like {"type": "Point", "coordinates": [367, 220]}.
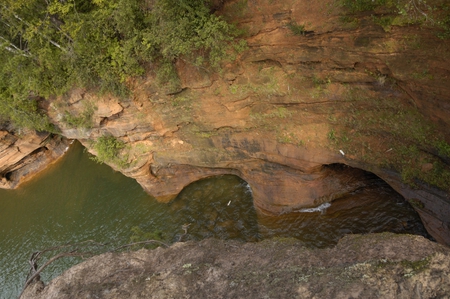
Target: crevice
{"type": "Point", "coordinates": [311, 62]}
{"type": "Point", "coordinates": [269, 62]}
{"type": "Point", "coordinates": [344, 69]}
{"type": "Point", "coordinates": [314, 103]}
{"type": "Point", "coordinates": [177, 92]}
{"type": "Point", "coordinates": [435, 153]}
{"type": "Point", "coordinates": [180, 126]}
{"type": "Point", "coordinates": [103, 121]}
{"type": "Point", "coordinates": [225, 128]}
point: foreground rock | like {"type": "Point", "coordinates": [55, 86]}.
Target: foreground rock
{"type": "Point", "coordinates": [373, 266]}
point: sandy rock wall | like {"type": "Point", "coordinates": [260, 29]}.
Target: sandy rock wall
{"type": "Point", "coordinates": [282, 111]}
{"type": "Point", "coordinates": [22, 156]}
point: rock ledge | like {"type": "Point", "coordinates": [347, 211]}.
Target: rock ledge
{"type": "Point", "coordinates": [370, 266]}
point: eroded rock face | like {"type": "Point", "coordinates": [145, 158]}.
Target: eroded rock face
{"type": "Point", "coordinates": [23, 156]}
{"type": "Point", "coordinates": [272, 116]}
{"type": "Point", "coordinates": [371, 266]}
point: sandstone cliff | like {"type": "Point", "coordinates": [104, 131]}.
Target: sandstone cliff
{"type": "Point", "coordinates": [24, 155]}
{"type": "Point", "coordinates": [344, 90]}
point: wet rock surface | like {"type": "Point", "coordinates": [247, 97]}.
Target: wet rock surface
{"type": "Point", "coordinates": [359, 266]}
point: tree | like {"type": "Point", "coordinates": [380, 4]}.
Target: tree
{"type": "Point", "coordinates": [50, 46]}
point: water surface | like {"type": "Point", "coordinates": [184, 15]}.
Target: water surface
{"type": "Point", "coordinates": [77, 200]}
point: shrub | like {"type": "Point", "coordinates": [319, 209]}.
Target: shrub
{"type": "Point", "coordinates": [82, 120]}
{"type": "Point", "coordinates": [48, 47]}
{"type": "Point", "coordinates": [109, 149]}
{"type": "Point", "coordinates": [297, 29]}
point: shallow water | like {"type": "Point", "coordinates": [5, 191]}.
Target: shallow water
{"type": "Point", "coordinates": [75, 200]}
{"type": "Point", "coordinates": [78, 200]}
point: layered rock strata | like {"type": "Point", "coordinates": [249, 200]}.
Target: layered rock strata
{"type": "Point", "coordinates": [25, 155]}
{"type": "Point", "coordinates": [286, 109]}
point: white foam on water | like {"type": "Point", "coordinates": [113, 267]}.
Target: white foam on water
{"type": "Point", "coordinates": [248, 189]}
{"type": "Point", "coordinates": [320, 208]}
{"type": "Point", "coordinates": [67, 147]}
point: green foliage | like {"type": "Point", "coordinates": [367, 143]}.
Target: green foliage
{"type": "Point", "coordinates": [83, 120]}
{"type": "Point", "coordinates": [443, 148]}
{"type": "Point", "coordinates": [186, 28]}
{"type": "Point", "coordinates": [444, 24]}
{"type": "Point", "coordinates": [296, 28]}
{"type": "Point", "coordinates": [403, 12]}
{"type": "Point", "coordinates": [383, 21]}
{"type": "Point", "coordinates": [109, 149]}
{"type": "Point", "coordinates": [48, 47]}
{"type": "Point", "coordinates": [17, 105]}
{"type": "Point", "coordinates": [332, 135]}
{"type": "Point", "coordinates": [167, 76]}
{"type": "Point", "coordinates": [355, 6]}
{"type": "Point", "coordinates": [281, 112]}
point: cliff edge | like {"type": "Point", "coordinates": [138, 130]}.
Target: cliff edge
{"type": "Point", "coordinates": [372, 266]}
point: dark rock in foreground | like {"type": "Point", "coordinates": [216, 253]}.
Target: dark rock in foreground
{"type": "Point", "coordinates": [370, 266]}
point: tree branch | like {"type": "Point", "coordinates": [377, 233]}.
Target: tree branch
{"type": "Point", "coordinates": [13, 48]}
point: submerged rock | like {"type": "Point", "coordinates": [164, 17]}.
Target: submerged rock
{"type": "Point", "coordinates": [359, 266]}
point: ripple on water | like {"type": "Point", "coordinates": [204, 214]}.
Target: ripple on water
{"type": "Point", "coordinates": [77, 200]}
{"type": "Point", "coordinates": [376, 208]}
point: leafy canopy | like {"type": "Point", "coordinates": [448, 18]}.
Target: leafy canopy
{"type": "Point", "coordinates": [48, 46]}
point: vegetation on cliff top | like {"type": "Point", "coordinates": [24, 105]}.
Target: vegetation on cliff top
{"type": "Point", "coordinates": [434, 13]}
{"type": "Point", "coordinates": [48, 47]}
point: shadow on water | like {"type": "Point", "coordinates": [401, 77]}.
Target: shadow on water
{"type": "Point", "coordinates": [374, 209]}
{"type": "Point", "coordinates": [219, 207]}
{"type": "Point", "coordinates": [222, 207]}
{"type": "Point", "coordinates": [78, 200]}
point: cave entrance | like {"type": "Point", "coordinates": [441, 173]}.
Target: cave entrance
{"type": "Point", "coordinates": [373, 206]}
{"type": "Point", "coordinates": [222, 207]}
{"type": "Point", "coordinates": [217, 207]}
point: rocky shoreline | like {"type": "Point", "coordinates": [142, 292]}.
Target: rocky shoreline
{"type": "Point", "coordinates": [24, 156]}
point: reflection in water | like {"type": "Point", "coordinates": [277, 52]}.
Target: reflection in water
{"type": "Point", "coordinates": [219, 207]}
{"type": "Point", "coordinates": [78, 200]}
{"type": "Point", "coordinates": [375, 208]}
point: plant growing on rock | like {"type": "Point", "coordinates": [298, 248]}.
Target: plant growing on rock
{"type": "Point", "coordinates": [434, 13]}
{"type": "Point", "coordinates": [296, 28]}
{"type": "Point", "coordinates": [109, 150]}
{"type": "Point", "coordinates": [83, 119]}
{"type": "Point", "coordinates": [407, 141]}
{"type": "Point", "coordinates": [48, 47]}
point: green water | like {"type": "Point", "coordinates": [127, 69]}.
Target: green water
{"type": "Point", "coordinates": [78, 200]}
